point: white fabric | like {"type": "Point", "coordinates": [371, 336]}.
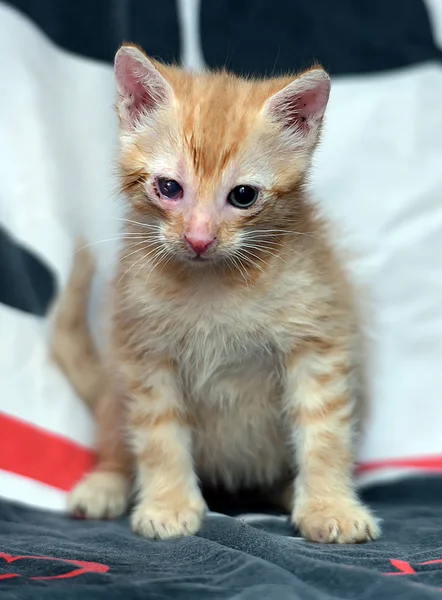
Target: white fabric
{"type": "Point", "coordinates": [378, 175]}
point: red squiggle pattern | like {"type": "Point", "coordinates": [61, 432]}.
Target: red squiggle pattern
{"type": "Point", "coordinates": [82, 567]}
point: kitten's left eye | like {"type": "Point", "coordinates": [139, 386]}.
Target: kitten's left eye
{"type": "Point", "coordinates": [169, 188]}
{"type": "Point", "coordinates": [242, 196]}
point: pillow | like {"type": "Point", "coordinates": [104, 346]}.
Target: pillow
{"type": "Point", "coordinates": [377, 175]}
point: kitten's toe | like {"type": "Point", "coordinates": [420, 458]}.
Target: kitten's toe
{"type": "Point", "coordinates": [336, 522]}
{"type": "Point", "coordinates": [160, 522]}
{"type": "Point", "coordinates": [100, 495]}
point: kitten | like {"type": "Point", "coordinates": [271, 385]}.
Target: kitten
{"type": "Point", "coordinates": [234, 350]}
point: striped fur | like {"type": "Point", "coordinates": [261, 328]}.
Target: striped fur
{"type": "Point", "coordinates": [243, 369]}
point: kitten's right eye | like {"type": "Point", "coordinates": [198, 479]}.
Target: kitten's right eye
{"type": "Point", "coordinates": [169, 188]}
{"type": "Point", "coordinates": [242, 196]}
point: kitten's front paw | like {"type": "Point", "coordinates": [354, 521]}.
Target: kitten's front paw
{"type": "Point", "coordinates": [335, 522]}
{"type": "Point", "coordinates": [163, 522]}
{"type": "Point", "coordinates": [100, 495]}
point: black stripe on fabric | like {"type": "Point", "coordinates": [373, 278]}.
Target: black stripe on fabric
{"type": "Point", "coordinates": [347, 36]}
{"type": "Point", "coordinates": [96, 28]}
{"type": "Point", "coordinates": [26, 283]}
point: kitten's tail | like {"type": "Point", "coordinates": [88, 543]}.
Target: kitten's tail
{"type": "Point", "coordinates": [71, 345]}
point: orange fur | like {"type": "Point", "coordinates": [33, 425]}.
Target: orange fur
{"type": "Point", "coordinates": [241, 368]}
{"type": "Point", "coordinates": [71, 344]}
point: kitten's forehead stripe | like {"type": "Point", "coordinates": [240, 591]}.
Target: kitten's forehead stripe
{"type": "Point", "coordinates": [218, 111]}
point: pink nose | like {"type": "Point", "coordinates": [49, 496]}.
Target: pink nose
{"type": "Point", "coordinates": [197, 244]}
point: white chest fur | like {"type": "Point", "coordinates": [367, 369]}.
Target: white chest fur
{"type": "Point", "coordinates": [229, 358]}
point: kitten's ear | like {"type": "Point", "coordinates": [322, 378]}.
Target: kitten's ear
{"type": "Point", "coordinates": [300, 106]}
{"type": "Point", "coordinates": [141, 88]}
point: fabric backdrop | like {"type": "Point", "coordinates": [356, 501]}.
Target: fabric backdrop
{"type": "Point", "coordinates": [378, 174]}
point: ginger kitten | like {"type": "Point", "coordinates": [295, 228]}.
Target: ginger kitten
{"type": "Point", "coordinates": [234, 351]}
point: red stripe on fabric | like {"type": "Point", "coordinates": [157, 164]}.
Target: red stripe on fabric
{"type": "Point", "coordinates": [37, 454]}
{"type": "Point", "coordinates": [426, 463]}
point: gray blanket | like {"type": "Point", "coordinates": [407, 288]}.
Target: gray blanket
{"type": "Point", "coordinates": [250, 556]}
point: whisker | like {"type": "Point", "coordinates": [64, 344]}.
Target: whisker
{"type": "Point", "coordinates": [264, 247]}
{"type": "Point", "coordinates": [164, 258]}
{"type": "Point", "coordinates": [250, 261]}
{"type": "Point", "coordinates": [146, 225]}
{"type": "Point", "coordinates": [156, 260]}
{"type": "Point", "coordinates": [262, 241]}
{"type": "Point", "coordinates": [160, 251]}
{"type": "Point", "coordinates": [258, 244]}
{"type": "Point", "coordinates": [135, 263]}
{"type": "Point", "coordinates": [270, 251]}
{"type": "Point", "coordinates": [248, 253]}
{"type": "Point", "coordinates": [277, 233]}
{"type": "Point", "coordinates": [168, 259]}
{"type": "Point", "coordinates": [112, 239]}
{"type": "Point", "coordinates": [145, 238]}
{"type": "Point", "coordinates": [228, 263]}
{"type": "Point", "coordinates": [136, 233]}
{"type": "Point", "coordinates": [135, 251]}
{"type": "Point", "coordinates": [237, 262]}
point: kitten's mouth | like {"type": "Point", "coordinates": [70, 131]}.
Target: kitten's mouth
{"type": "Point", "coordinates": [198, 258]}
{"type": "Point", "coordinates": [202, 258]}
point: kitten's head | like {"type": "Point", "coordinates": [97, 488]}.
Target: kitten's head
{"type": "Point", "coordinates": [211, 163]}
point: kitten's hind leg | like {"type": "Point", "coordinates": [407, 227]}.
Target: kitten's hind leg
{"type": "Point", "coordinates": [105, 492]}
